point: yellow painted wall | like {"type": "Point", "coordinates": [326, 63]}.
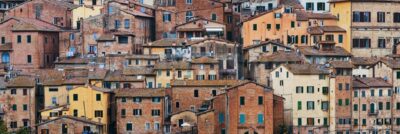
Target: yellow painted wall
{"type": "Point", "coordinates": [84, 12]}
{"type": "Point", "coordinates": [164, 79]}
{"type": "Point", "coordinates": [87, 104]}
{"type": "Point", "coordinates": [343, 10]}
{"type": "Point", "coordinates": [61, 95]}
{"type": "Point", "coordinates": [46, 114]}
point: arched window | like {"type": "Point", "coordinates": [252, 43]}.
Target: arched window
{"type": "Point", "coordinates": [5, 57]}
{"type": "Point", "coordinates": [189, 15]}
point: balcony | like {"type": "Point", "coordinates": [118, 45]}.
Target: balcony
{"type": "Point", "coordinates": [227, 72]}
{"type": "Point", "coordinates": [373, 112]}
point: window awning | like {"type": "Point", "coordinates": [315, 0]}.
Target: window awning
{"type": "Point", "coordinates": [214, 29]}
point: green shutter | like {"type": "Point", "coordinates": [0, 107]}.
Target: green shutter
{"type": "Point", "coordinates": [299, 105]}
{"type": "Point", "coordinates": [340, 102]}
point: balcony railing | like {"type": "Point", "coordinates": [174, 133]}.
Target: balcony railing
{"type": "Point", "coordinates": [373, 112]}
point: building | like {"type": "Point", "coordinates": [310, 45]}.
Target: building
{"type": "Point", "coordinates": [205, 68]}
{"type": "Point", "coordinates": [246, 108]}
{"type": "Point", "coordinates": [167, 71]}
{"type": "Point", "coordinates": [200, 27]}
{"type": "Point", "coordinates": [195, 95]}
{"type": "Point", "coordinates": [369, 32]}
{"type": "Point", "coordinates": [141, 110]}
{"type": "Point", "coordinates": [91, 103]}
{"type": "Point", "coordinates": [254, 7]}
{"type": "Point", "coordinates": [115, 79]}
{"type": "Point", "coordinates": [340, 97]}
{"type": "Point", "coordinates": [323, 53]}
{"type": "Point", "coordinates": [18, 102]}
{"type": "Point", "coordinates": [305, 88]}
{"type": "Point", "coordinates": [142, 60]}
{"type": "Point", "coordinates": [147, 73]}
{"type": "Point", "coordinates": [28, 44]}
{"type": "Point", "coordinates": [261, 68]}
{"type": "Point", "coordinates": [363, 66]}
{"type": "Point", "coordinates": [372, 104]}
{"type": "Point", "coordinates": [292, 25]}
{"type": "Point", "coordinates": [171, 13]}
{"type": "Point", "coordinates": [6, 5]}
{"type": "Point", "coordinates": [70, 124]}
{"type": "Point", "coordinates": [87, 8]}
{"type": "Point", "coordinates": [169, 49]}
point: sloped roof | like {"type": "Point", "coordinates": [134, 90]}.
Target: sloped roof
{"type": "Point", "coordinates": [145, 92]}
{"type": "Point", "coordinates": [21, 81]}
{"type": "Point", "coordinates": [166, 42]}
{"type": "Point", "coordinates": [74, 60]}
{"type": "Point", "coordinates": [310, 50]}
{"type": "Point", "coordinates": [367, 82]}
{"type": "Point", "coordinates": [306, 69]}
{"type": "Point", "coordinates": [164, 65]}
{"type": "Point", "coordinates": [265, 43]}
{"type": "Point", "coordinates": [302, 15]}
{"type": "Point", "coordinates": [323, 29]}
{"type": "Point", "coordinates": [364, 60]}
{"type": "Point", "coordinates": [341, 64]}
{"type": "Point", "coordinates": [394, 64]}
{"type": "Point", "coordinates": [80, 119]}
{"type": "Point", "coordinates": [138, 71]}
{"type": "Point", "coordinates": [137, 13]}
{"type": "Point", "coordinates": [205, 83]}
{"type": "Point", "coordinates": [204, 60]}
{"type": "Point", "coordinates": [143, 56]}
{"type": "Point", "coordinates": [106, 37]}
{"type": "Point", "coordinates": [97, 74]}
{"type": "Point", "coordinates": [118, 75]}
{"type": "Point", "coordinates": [280, 56]}
{"type": "Point", "coordinates": [29, 24]}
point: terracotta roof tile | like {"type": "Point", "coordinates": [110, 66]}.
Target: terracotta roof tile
{"type": "Point", "coordinates": [143, 56]}
{"type": "Point", "coordinates": [205, 83]}
{"type": "Point", "coordinates": [21, 81]}
{"type": "Point", "coordinates": [29, 24]}
{"type": "Point", "coordinates": [164, 65]}
{"type": "Point", "coordinates": [147, 92]}
{"type": "Point", "coordinates": [280, 56]}
{"type": "Point", "coordinates": [204, 60]}
{"type": "Point", "coordinates": [323, 29]}
{"type": "Point", "coordinates": [368, 82]}
{"type": "Point", "coordinates": [138, 71]}
{"type": "Point", "coordinates": [273, 42]}
{"type": "Point", "coordinates": [307, 69]}
{"type": "Point", "coordinates": [302, 15]}
{"type": "Point", "coordinates": [117, 75]}
{"type": "Point", "coordinates": [74, 60]}
{"type": "Point", "coordinates": [394, 64]}
{"type": "Point", "coordinates": [137, 13]}
{"type": "Point", "coordinates": [364, 60]}
{"type": "Point", "coordinates": [81, 119]}
{"type": "Point", "coordinates": [310, 50]}
{"type": "Point", "coordinates": [165, 43]}
{"type": "Point", "coordinates": [341, 64]}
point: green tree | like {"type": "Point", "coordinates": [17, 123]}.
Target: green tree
{"type": "Point", "coordinates": [3, 127]}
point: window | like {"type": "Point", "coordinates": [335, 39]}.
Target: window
{"type": "Point", "coordinates": [156, 126]}
{"type": "Point", "coordinates": [299, 122]}
{"type": "Point", "coordinates": [25, 92]}
{"type": "Point", "coordinates": [166, 17]}
{"type": "Point", "coordinates": [221, 118]}
{"type": "Point", "coordinates": [381, 16]}
{"type": "Point", "coordinates": [53, 89]}
{"type": "Point", "coordinates": [94, 2]}
{"type": "Point", "coordinates": [75, 113]}
{"type": "Point", "coordinates": [268, 26]}
{"type": "Point", "coordinates": [310, 6]}
{"type": "Point", "coordinates": [129, 127]}
{"type": "Point", "coordinates": [322, 77]}
{"type": "Point", "coordinates": [13, 124]}
{"type": "Point", "coordinates": [347, 86]}
{"type": "Point", "coordinates": [123, 112]}
{"type": "Point", "coordinates": [396, 17]}
{"type": "Point", "coordinates": [260, 100]}
{"type": "Point", "coordinates": [196, 93]}
{"type": "Point", "coordinates": [340, 38]}
{"type": "Point", "coordinates": [156, 99]}
{"type": "Point", "coordinates": [325, 105]}
{"type": "Point", "coordinates": [372, 92]}
{"type": "Point", "coordinates": [75, 97]}
{"type": "Point", "coordinates": [361, 16]}
{"type": "Point", "coordinates": [177, 104]}
{"type": "Point", "coordinates": [3, 40]}
{"type": "Point", "coordinates": [98, 113]}
{"type": "Point", "coordinates": [123, 39]}
{"type": "Point", "coordinates": [380, 92]}
{"type": "Point", "coordinates": [380, 105]}
{"type": "Point", "coordinates": [45, 40]}
{"type": "Point", "coordinates": [381, 43]}
{"type": "Point", "coordinates": [28, 39]}
{"type": "Point", "coordinates": [355, 107]}
{"type": "Point", "coordinates": [255, 27]}
{"type": "Point", "coordinates": [298, 105]}
{"type": "Point", "coordinates": [292, 24]}
{"type": "Point", "coordinates": [321, 6]}
{"type": "Point", "coordinates": [278, 26]}
{"type": "Point", "coordinates": [260, 118]}
{"type": "Point", "coordinates": [362, 93]}
{"type": "Point", "coordinates": [361, 43]}
{"type": "Point", "coordinates": [188, 1]}
{"type": "Point", "coordinates": [387, 105]}
{"type": "Point", "coordinates": [137, 112]}
{"type": "Point", "coordinates": [189, 15]}
{"type": "Point", "coordinates": [155, 112]}
{"type": "Point", "coordinates": [299, 89]}
{"type": "Point", "coordinates": [29, 59]}
{"type": "Point", "coordinates": [364, 122]}
{"type": "Point", "coordinates": [116, 24]}
{"type": "Point", "coordinates": [242, 118]}
{"type": "Point", "coordinates": [167, 73]}
{"type": "Point", "coordinates": [355, 93]}
{"type": "Point", "coordinates": [242, 100]}
{"type": "Point", "coordinates": [304, 39]}
{"type": "Point", "coordinates": [340, 102]}
{"type": "Point", "coordinates": [310, 105]}
{"type": "Point", "coordinates": [147, 126]}
{"type": "Point", "coordinates": [179, 74]}
{"type": "Point", "coordinates": [355, 122]}
{"type": "Point", "coordinates": [229, 19]}
{"type": "Point", "coordinates": [310, 121]}
{"type": "Point", "coordinates": [347, 102]}
{"type": "Point", "coordinates": [19, 39]}
{"type": "Point", "coordinates": [310, 89]}
{"type": "Point", "coordinates": [277, 74]}
{"type": "Point", "coordinates": [98, 97]}
{"type": "Point", "coordinates": [13, 91]}
{"type": "Point", "coordinates": [213, 16]}
{"type": "Point", "coordinates": [127, 23]}
{"type": "Point", "coordinates": [364, 107]}
{"type": "Point", "coordinates": [25, 107]}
